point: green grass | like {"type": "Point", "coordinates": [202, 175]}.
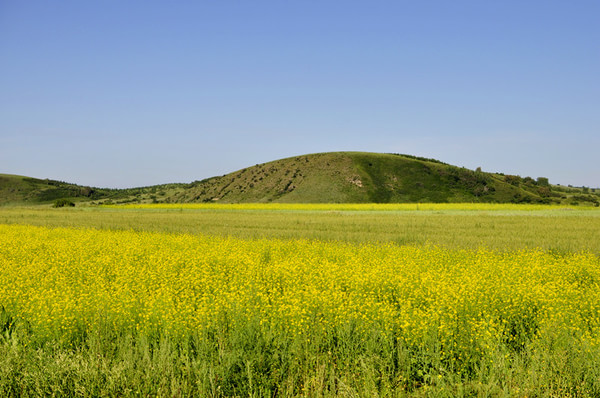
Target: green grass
{"type": "Point", "coordinates": [228, 366]}
{"type": "Point", "coordinates": [552, 229]}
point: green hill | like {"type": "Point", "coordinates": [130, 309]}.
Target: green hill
{"type": "Point", "coordinates": [334, 177]}
{"type": "Point", "coordinates": [358, 177]}
{"type": "Point", "coordinates": [20, 190]}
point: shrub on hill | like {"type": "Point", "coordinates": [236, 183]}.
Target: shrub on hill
{"type": "Point", "coordinates": [543, 181]}
{"type": "Point", "coordinates": [63, 203]}
{"type": "Point", "coordinates": [512, 179]}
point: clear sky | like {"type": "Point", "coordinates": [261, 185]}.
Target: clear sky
{"type": "Point", "coordinates": [133, 93]}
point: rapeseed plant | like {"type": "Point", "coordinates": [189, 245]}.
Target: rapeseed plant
{"type": "Point", "coordinates": [451, 310]}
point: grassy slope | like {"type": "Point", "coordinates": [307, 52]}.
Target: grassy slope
{"type": "Point", "coordinates": [334, 177]}
{"type": "Point", "coordinates": [312, 178]}
{"type": "Point", "coordinates": [357, 177]}
{"type": "Point", "coordinates": [19, 190]}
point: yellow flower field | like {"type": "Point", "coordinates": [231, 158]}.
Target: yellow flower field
{"type": "Point", "coordinates": [66, 283]}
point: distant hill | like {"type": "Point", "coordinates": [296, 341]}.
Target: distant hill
{"type": "Point", "coordinates": [20, 190]}
{"type": "Point", "coordinates": [358, 177]}
{"type": "Point", "coordinates": [333, 177]}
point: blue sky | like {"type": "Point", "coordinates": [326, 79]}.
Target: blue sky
{"type": "Point", "coordinates": [133, 93]}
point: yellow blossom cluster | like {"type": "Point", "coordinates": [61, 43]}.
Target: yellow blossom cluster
{"type": "Point", "coordinates": [66, 282]}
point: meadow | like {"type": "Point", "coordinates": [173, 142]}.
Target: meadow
{"type": "Point", "coordinates": [468, 226]}
{"type": "Point", "coordinates": [300, 300]}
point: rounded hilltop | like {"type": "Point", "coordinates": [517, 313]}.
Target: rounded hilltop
{"type": "Point", "coordinates": [359, 177]}
{"type": "Point", "coordinates": [329, 177]}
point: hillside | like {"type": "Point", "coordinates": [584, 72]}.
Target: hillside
{"type": "Point", "coordinates": [358, 177]}
{"type": "Point", "coordinates": [19, 190]}
{"type": "Point", "coordinates": [334, 177]}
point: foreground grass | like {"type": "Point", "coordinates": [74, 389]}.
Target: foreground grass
{"type": "Point", "coordinates": [92, 313]}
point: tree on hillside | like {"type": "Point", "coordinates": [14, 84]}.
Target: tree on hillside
{"type": "Point", "coordinates": [512, 179]}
